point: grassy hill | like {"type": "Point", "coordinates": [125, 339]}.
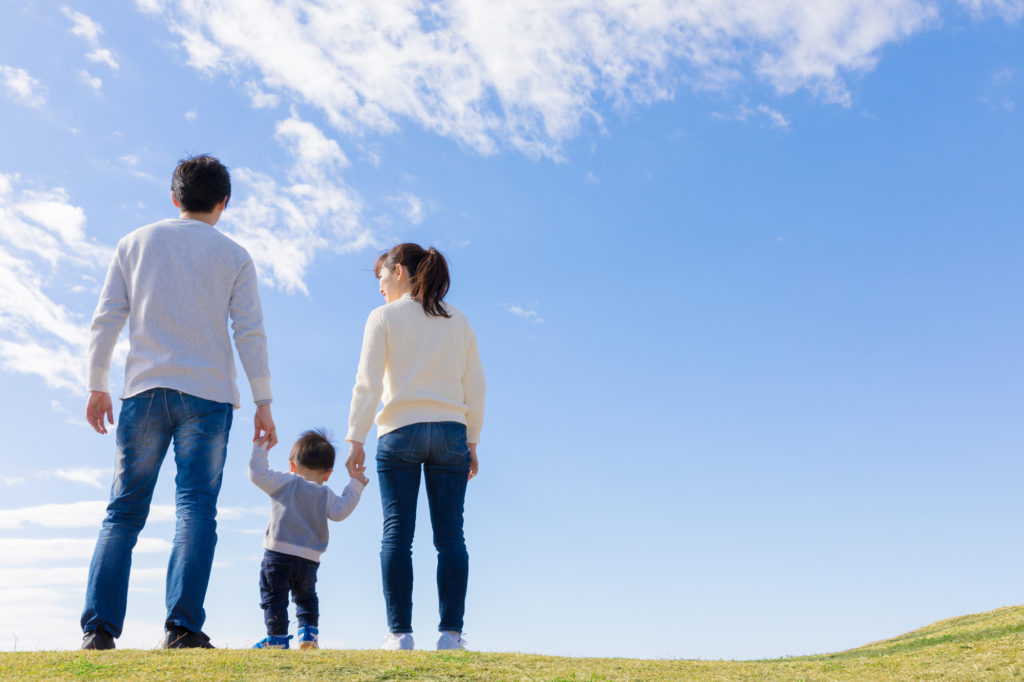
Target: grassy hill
{"type": "Point", "coordinates": [982, 646]}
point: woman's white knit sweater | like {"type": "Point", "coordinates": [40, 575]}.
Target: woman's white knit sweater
{"type": "Point", "coordinates": [422, 367]}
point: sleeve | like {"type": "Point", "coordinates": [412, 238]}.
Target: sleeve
{"type": "Point", "coordinates": [338, 508]}
{"type": "Point", "coordinates": [250, 337]}
{"type": "Point", "coordinates": [474, 386]}
{"type": "Point", "coordinates": [369, 379]}
{"type": "Point", "coordinates": [107, 322]}
{"type": "Point", "coordinates": [260, 473]}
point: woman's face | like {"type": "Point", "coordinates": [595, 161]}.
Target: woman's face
{"type": "Point", "coordinates": [393, 283]}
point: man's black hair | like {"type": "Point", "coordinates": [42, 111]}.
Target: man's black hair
{"type": "Point", "coordinates": [200, 183]}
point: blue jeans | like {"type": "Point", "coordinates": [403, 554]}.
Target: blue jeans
{"type": "Point", "coordinates": [148, 422]}
{"type": "Point", "coordinates": [439, 450]}
{"type": "Point", "coordinates": [283, 573]}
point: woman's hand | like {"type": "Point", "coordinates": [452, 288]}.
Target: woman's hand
{"type": "Point", "coordinates": [474, 463]}
{"type": "Point", "coordinates": [354, 463]}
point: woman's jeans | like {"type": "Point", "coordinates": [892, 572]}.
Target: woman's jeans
{"type": "Point", "coordinates": [438, 449]}
{"type": "Point", "coordinates": [279, 575]}
{"type": "Point", "coordinates": [148, 422]}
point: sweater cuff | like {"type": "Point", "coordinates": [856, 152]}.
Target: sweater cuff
{"type": "Point", "coordinates": [357, 485]}
{"type": "Point", "coordinates": [261, 389]}
{"type": "Point", "coordinates": [99, 379]}
{"type": "Point", "coordinates": [473, 437]}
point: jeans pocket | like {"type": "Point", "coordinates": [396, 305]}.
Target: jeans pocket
{"type": "Point", "coordinates": [456, 450]}
{"type": "Point", "coordinates": [133, 419]}
{"type": "Point", "coordinates": [206, 417]}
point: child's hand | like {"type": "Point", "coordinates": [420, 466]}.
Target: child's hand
{"type": "Point", "coordinates": [362, 479]}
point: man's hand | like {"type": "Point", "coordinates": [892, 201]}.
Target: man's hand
{"type": "Point", "coordinates": [98, 406]}
{"type": "Point", "coordinates": [354, 463]}
{"type": "Point", "coordinates": [474, 463]}
{"type": "Point", "coordinates": [266, 432]}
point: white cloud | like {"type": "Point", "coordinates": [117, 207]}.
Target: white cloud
{"type": "Point", "coordinates": [96, 478]}
{"type": "Point", "coordinates": [1009, 10]}
{"type": "Point", "coordinates": [14, 481]}
{"type": "Point", "coordinates": [529, 74]}
{"type": "Point", "coordinates": [259, 98]}
{"type": "Point", "coordinates": [22, 87]}
{"type": "Point", "coordinates": [43, 241]}
{"type": "Point", "coordinates": [93, 82]}
{"type": "Point", "coordinates": [411, 207]}
{"type": "Point", "coordinates": [190, 115]}
{"type": "Point", "coordinates": [28, 551]}
{"type": "Point", "coordinates": [524, 313]}
{"type": "Point", "coordinates": [105, 56]}
{"type": "Point", "coordinates": [90, 513]}
{"type": "Point", "coordinates": [83, 27]}
{"type": "Point", "coordinates": [778, 120]}
{"type": "Point", "coordinates": [591, 178]}
{"type": "Point", "coordinates": [284, 227]}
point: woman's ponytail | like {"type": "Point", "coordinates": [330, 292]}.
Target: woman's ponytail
{"type": "Point", "coordinates": [428, 274]}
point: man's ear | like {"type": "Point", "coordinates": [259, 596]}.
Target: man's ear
{"type": "Point", "coordinates": [175, 201]}
{"type": "Point", "coordinates": [222, 205]}
{"type": "Point", "coordinates": [291, 463]}
{"type": "Point", "coordinates": [328, 474]}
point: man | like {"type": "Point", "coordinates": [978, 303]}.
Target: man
{"type": "Point", "coordinates": [176, 282]}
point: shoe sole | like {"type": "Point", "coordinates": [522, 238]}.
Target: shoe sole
{"type": "Point", "coordinates": [308, 645]}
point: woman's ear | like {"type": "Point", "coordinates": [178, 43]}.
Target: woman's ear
{"type": "Point", "coordinates": [399, 272]}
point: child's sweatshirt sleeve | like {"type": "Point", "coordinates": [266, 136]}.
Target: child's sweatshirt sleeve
{"type": "Point", "coordinates": [260, 473]}
{"type": "Point", "coordinates": [339, 507]}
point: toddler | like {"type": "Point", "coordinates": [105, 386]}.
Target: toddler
{"type": "Point", "coordinates": [300, 505]}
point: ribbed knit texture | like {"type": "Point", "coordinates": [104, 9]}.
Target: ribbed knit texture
{"type": "Point", "coordinates": [423, 368]}
{"type": "Point", "coordinates": [177, 282]}
{"type": "Point", "coordinates": [299, 509]}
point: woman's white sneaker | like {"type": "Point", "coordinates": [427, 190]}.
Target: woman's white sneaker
{"type": "Point", "coordinates": [451, 640]}
{"type": "Point", "coordinates": [398, 641]}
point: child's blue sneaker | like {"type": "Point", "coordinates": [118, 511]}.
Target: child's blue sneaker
{"type": "Point", "coordinates": [309, 637]}
{"type": "Point", "coordinates": [273, 642]}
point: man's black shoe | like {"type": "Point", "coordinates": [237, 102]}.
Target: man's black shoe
{"type": "Point", "coordinates": [177, 637]}
{"type": "Point", "coordinates": [97, 639]}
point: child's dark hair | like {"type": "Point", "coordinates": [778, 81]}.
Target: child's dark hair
{"type": "Point", "coordinates": [428, 274]}
{"type": "Point", "coordinates": [314, 450]}
{"type": "Point", "coordinates": [200, 183]}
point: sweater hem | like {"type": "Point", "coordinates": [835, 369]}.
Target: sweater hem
{"type": "Point", "coordinates": [294, 550]}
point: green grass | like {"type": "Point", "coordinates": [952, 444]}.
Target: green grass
{"type": "Point", "coordinates": [982, 646]}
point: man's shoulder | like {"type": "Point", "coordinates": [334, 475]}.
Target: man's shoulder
{"type": "Point", "coordinates": [188, 230]}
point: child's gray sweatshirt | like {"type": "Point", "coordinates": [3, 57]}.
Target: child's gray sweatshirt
{"type": "Point", "coordinates": [299, 509]}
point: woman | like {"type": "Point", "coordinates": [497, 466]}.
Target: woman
{"type": "Point", "coordinates": [420, 359]}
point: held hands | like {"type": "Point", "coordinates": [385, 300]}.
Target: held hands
{"type": "Point", "coordinates": [99, 406]}
{"type": "Point", "coordinates": [355, 462]}
{"type": "Point", "coordinates": [264, 424]}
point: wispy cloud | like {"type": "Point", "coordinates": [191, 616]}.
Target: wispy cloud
{"type": "Point", "coordinates": [102, 55]}
{"type": "Point", "coordinates": [190, 115]}
{"type": "Point", "coordinates": [524, 313]}
{"type": "Point", "coordinates": [14, 481]}
{"type": "Point", "coordinates": [411, 207]}
{"type": "Point", "coordinates": [92, 81]}
{"type": "Point", "coordinates": [530, 74]}
{"type": "Point", "coordinates": [21, 87]}
{"type": "Point", "coordinates": [95, 478]}
{"type": "Point", "coordinates": [89, 514]}
{"type": "Point", "coordinates": [778, 120]}
{"type": "Point", "coordinates": [1009, 10]}
{"type": "Point", "coordinates": [29, 551]}
{"type": "Point", "coordinates": [43, 242]}
{"type": "Point", "coordinates": [284, 227]}
{"type": "Point", "coordinates": [89, 30]}
{"type": "Point", "coordinates": [591, 178]}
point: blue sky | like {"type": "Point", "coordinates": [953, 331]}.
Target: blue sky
{"type": "Point", "coordinates": [745, 281]}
